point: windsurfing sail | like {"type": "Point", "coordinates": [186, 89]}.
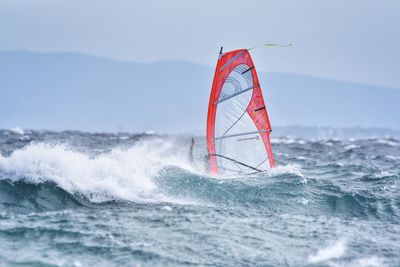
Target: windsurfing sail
{"type": "Point", "coordinates": [238, 127]}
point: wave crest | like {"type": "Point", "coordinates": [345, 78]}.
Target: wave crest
{"type": "Point", "coordinates": [119, 174]}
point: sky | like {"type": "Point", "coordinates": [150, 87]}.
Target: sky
{"type": "Point", "coordinates": [354, 40]}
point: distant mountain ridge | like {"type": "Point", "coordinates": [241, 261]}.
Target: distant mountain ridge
{"type": "Point", "coordinates": [59, 91]}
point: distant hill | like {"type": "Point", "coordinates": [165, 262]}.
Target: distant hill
{"type": "Point", "coordinates": [72, 91]}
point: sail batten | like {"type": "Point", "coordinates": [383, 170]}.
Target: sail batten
{"type": "Point", "coordinates": [240, 134]}
{"type": "Point", "coordinates": [238, 126]}
{"type": "Point", "coordinates": [238, 93]}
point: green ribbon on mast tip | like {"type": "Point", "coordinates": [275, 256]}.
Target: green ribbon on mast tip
{"type": "Point", "coordinates": [270, 45]}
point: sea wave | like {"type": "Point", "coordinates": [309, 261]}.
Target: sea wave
{"type": "Point", "coordinates": [72, 198]}
{"type": "Point", "coordinates": [309, 177]}
{"type": "Point", "coordinates": [119, 174]}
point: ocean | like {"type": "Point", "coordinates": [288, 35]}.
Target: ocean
{"type": "Point", "coordinates": [95, 199]}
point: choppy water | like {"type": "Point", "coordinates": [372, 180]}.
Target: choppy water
{"type": "Point", "coordinates": [76, 199]}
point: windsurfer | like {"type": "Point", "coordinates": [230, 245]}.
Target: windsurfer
{"type": "Point", "coordinates": [206, 158]}
{"type": "Point", "coordinates": [191, 155]}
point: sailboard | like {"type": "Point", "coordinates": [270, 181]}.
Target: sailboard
{"type": "Point", "coordinates": [238, 126]}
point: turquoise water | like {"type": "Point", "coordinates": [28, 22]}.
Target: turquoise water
{"type": "Point", "coordinates": [80, 199]}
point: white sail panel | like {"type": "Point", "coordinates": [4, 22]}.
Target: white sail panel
{"type": "Point", "coordinates": [238, 128]}
{"type": "Point", "coordinates": [236, 136]}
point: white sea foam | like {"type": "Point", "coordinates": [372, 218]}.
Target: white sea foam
{"type": "Point", "coordinates": [387, 142]}
{"type": "Point", "coordinates": [392, 157]}
{"type": "Point", "coordinates": [166, 208]}
{"type": "Point", "coordinates": [333, 251]}
{"type": "Point", "coordinates": [120, 174]}
{"type": "Point", "coordinates": [372, 261]}
{"type": "Point", "coordinates": [349, 147]}
{"type": "Point", "coordinates": [17, 130]}
{"type": "Point", "coordinates": [286, 169]}
{"type": "Point", "coordinates": [383, 174]}
{"type": "Point", "coordinates": [287, 141]}
{"type": "Point", "coordinates": [303, 201]}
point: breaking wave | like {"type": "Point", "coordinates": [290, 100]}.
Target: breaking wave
{"type": "Point", "coordinates": [151, 171]}
{"type": "Point", "coordinates": [54, 174]}
{"type": "Point", "coordinates": [120, 174]}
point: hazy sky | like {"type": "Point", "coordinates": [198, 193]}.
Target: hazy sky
{"type": "Point", "coordinates": [357, 40]}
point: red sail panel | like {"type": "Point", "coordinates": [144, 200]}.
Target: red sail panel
{"type": "Point", "coordinates": [238, 127]}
